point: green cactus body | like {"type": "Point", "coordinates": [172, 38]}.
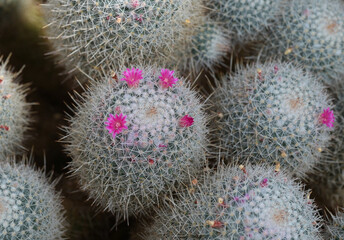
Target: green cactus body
{"type": "Point", "coordinates": [14, 111]}
{"type": "Point", "coordinates": [163, 138]}
{"type": "Point", "coordinates": [253, 202]}
{"type": "Point", "coordinates": [29, 207]}
{"type": "Point", "coordinates": [311, 33]}
{"type": "Point", "coordinates": [273, 113]}
{"type": "Point", "coordinates": [244, 18]}
{"type": "Point", "coordinates": [93, 33]}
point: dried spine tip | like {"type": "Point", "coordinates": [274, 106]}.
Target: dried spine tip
{"type": "Point", "coordinates": [130, 145]}
{"type": "Point", "coordinates": [275, 112]}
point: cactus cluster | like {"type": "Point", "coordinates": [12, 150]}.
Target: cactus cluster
{"type": "Point", "coordinates": [252, 202]}
{"type": "Point", "coordinates": [246, 19]}
{"type": "Point", "coordinates": [29, 207]}
{"type": "Point", "coordinates": [14, 111]}
{"type": "Point", "coordinates": [274, 112]}
{"type": "Point", "coordinates": [93, 33]}
{"type": "Point", "coordinates": [133, 139]}
{"type": "Point", "coordinates": [311, 33]}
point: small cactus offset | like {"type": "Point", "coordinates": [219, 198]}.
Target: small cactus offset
{"type": "Point", "coordinates": [311, 33]}
{"type": "Point", "coordinates": [134, 137]}
{"type": "Point", "coordinates": [335, 229]}
{"type": "Point", "coordinates": [274, 112]}
{"type": "Point", "coordinates": [29, 207]}
{"type": "Point", "coordinates": [252, 202]}
{"type": "Point", "coordinates": [14, 111]}
{"type": "Point", "coordinates": [208, 47]}
{"type": "Point", "coordinates": [89, 33]}
{"type": "Point", "coordinates": [244, 18]}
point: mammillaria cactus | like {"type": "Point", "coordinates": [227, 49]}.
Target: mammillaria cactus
{"type": "Point", "coordinates": [14, 111]}
{"type": "Point", "coordinates": [29, 207]}
{"type": "Point", "coordinates": [310, 32]}
{"type": "Point", "coordinates": [89, 32]}
{"type": "Point", "coordinates": [206, 49]}
{"type": "Point", "coordinates": [274, 112]}
{"type": "Point", "coordinates": [133, 139]}
{"type": "Point", "coordinates": [244, 18]}
{"type": "Point", "coordinates": [252, 202]}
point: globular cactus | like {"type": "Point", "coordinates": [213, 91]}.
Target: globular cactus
{"type": "Point", "coordinates": [335, 229]}
{"type": "Point", "coordinates": [29, 207]}
{"type": "Point", "coordinates": [206, 49]}
{"type": "Point", "coordinates": [244, 18]}
{"type": "Point", "coordinates": [133, 140]}
{"type": "Point", "coordinates": [328, 181]}
{"type": "Point", "coordinates": [274, 112]}
{"type": "Point", "coordinates": [88, 33]}
{"type": "Point", "coordinates": [14, 111]}
{"type": "Point", "coordinates": [252, 202]}
{"type": "Point", "coordinates": [311, 33]}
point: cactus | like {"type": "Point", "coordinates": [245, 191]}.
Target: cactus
{"type": "Point", "coordinates": [14, 111]}
{"type": "Point", "coordinates": [245, 19]}
{"type": "Point", "coordinates": [205, 50]}
{"type": "Point", "coordinates": [252, 202]}
{"type": "Point", "coordinates": [91, 33]}
{"type": "Point", "coordinates": [274, 112]}
{"type": "Point", "coordinates": [29, 207]}
{"type": "Point", "coordinates": [335, 230]}
{"type": "Point", "coordinates": [328, 181]}
{"type": "Point", "coordinates": [132, 140]}
{"type": "Point", "coordinates": [311, 33]}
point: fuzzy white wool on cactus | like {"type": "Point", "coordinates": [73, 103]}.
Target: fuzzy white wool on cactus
{"type": "Point", "coordinates": [133, 138]}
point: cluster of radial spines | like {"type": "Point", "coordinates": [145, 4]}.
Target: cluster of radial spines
{"type": "Point", "coordinates": [252, 202]}
{"type": "Point", "coordinates": [335, 229]}
{"type": "Point", "coordinates": [132, 143]}
{"type": "Point", "coordinates": [207, 48]}
{"type": "Point", "coordinates": [310, 33]}
{"type": "Point", "coordinates": [88, 33]}
{"type": "Point", "coordinates": [274, 112]}
{"type": "Point", "coordinates": [29, 207]}
{"type": "Point", "coordinates": [14, 111]}
{"type": "Point", "coordinates": [245, 19]}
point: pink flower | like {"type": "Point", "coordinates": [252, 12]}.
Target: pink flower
{"type": "Point", "coordinates": [116, 124]}
{"type": "Point", "coordinates": [186, 121]}
{"type": "Point", "coordinates": [132, 77]}
{"type": "Point", "coordinates": [167, 79]}
{"type": "Point", "coordinates": [327, 118]}
{"type": "Point", "coordinates": [135, 3]}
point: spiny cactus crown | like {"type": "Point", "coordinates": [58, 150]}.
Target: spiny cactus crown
{"type": "Point", "coordinates": [29, 207]}
{"type": "Point", "coordinates": [91, 32]}
{"type": "Point", "coordinates": [310, 32]}
{"type": "Point", "coordinates": [253, 202]}
{"type": "Point", "coordinates": [274, 112]}
{"type": "Point", "coordinates": [245, 18]}
{"type": "Point", "coordinates": [131, 141]}
{"type": "Point", "coordinates": [14, 111]}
